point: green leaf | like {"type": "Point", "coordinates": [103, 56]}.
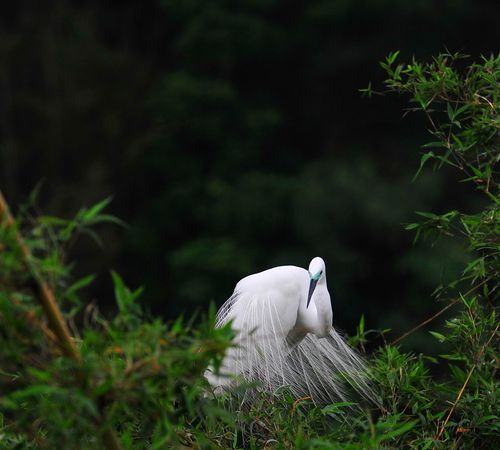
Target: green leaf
{"type": "Point", "coordinates": [40, 375]}
{"type": "Point", "coordinates": [81, 283]}
{"type": "Point", "coordinates": [335, 408]}
{"type": "Point", "coordinates": [435, 144]}
{"type": "Point", "coordinates": [125, 298]}
{"type": "Point", "coordinates": [486, 419]}
{"type": "Point", "coordinates": [440, 337]}
{"type": "Point", "coordinates": [362, 324]}
{"type": "Point", "coordinates": [399, 431]}
{"type": "Point", "coordinates": [425, 157]}
{"type": "Point", "coordinates": [451, 112]}
{"type": "Point", "coordinates": [121, 292]}
{"type": "Point", "coordinates": [452, 357]}
{"type": "Point", "coordinates": [392, 56]}
{"type": "Point", "coordinates": [427, 215]}
{"type": "Point", "coordinates": [51, 220]}
{"type": "Point", "coordinates": [34, 391]}
{"type": "Point", "coordinates": [89, 214]}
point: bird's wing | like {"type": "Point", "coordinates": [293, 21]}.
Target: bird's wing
{"type": "Point", "coordinates": [262, 322]}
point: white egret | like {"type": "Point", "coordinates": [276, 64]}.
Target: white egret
{"type": "Point", "coordinates": [284, 336]}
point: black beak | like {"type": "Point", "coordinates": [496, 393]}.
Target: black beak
{"type": "Point", "coordinates": [312, 286]}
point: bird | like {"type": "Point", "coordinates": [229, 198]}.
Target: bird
{"type": "Point", "coordinates": [284, 337]}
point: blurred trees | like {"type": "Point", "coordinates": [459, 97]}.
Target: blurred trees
{"type": "Point", "coordinates": [233, 138]}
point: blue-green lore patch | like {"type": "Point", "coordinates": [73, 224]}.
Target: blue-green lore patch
{"type": "Point", "coordinates": [316, 276]}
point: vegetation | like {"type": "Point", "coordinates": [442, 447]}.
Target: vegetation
{"type": "Point", "coordinates": [134, 379]}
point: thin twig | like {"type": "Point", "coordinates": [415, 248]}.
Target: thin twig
{"type": "Point", "coordinates": [53, 314]}
{"type": "Point", "coordinates": [441, 311]}
{"type": "Point", "coordinates": [459, 396]}
{"type": "Point", "coordinates": [425, 322]}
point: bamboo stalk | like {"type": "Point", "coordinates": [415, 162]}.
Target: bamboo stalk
{"type": "Point", "coordinates": [53, 313]}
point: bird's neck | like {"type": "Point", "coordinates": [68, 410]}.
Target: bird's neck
{"type": "Point", "coordinates": [317, 318]}
{"type": "Point", "coordinates": [323, 309]}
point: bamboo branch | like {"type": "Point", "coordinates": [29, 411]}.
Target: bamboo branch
{"type": "Point", "coordinates": [53, 313]}
{"type": "Point", "coordinates": [462, 389]}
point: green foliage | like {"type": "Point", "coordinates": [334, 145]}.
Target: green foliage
{"type": "Point", "coordinates": [144, 378]}
{"type": "Point", "coordinates": [462, 110]}
{"type": "Point", "coordinates": [147, 376]}
{"type": "Point", "coordinates": [461, 105]}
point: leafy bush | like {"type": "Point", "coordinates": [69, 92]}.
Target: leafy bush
{"type": "Point", "coordinates": [133, 382]}
{"type": "Point", "coordinates": [136, 373]}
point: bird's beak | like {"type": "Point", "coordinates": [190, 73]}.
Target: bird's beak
{"type": "Point", "coordinates": [312, 286]}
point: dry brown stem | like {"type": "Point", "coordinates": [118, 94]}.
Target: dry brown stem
{"type": "Point", "coordinates": [53, 313]}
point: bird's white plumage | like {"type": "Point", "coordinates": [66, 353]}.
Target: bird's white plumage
{"type": "Point", "coordinates": [281, 340]}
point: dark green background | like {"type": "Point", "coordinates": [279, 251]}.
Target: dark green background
{"type": "Point", "coordinates": [233, 138]}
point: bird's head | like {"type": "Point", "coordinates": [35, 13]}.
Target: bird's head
{"type": "Point", "coordinates": [316, 273]}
